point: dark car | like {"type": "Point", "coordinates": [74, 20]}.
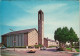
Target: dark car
{"type": "Point", "coordinates": [3, 47]}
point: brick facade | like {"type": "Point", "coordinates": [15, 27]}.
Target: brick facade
{"type": "Point", "coordinates": [49, 42]}
{"type": "Point", "coordinates": [45, 42]}
{"type": "Point", "coordinates": [32, 38]}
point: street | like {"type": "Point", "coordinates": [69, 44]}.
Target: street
{"type": "Point", "coordinates": [23, 52]}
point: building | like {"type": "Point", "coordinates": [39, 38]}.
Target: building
{"type": "Point", "coordinates": [40, 27]}
{"type": "Point", "coordinates": [23, 38]}
{"type": "Point", "coordinates": [49, 42]}
{"type": "Point", "coordinates": [28, 37]}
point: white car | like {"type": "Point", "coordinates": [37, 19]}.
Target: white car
{"type": "Point", "coordinates": [43, 48]}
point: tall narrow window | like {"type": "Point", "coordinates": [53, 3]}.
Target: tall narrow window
{"type": "Point", "coordinates": [39, 16]}
{"type": "Point", "coordinates": [42, 16]}
{"type": "Point", "coordinates": [22, 39]}
{"type": "Point", "coordinates": [18, 39]}
{"type": "Point", "coordinates": [11, 40]}
{"type": "Point", "coordinates": [7, 41]}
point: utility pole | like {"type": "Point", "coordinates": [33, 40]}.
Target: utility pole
{"type": "Point", "coordinates": [14, 39]}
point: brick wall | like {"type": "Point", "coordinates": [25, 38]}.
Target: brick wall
{"type": "Point", "coordinates": [50, 43]}
{"type": "Point", "coordinates": [32, 38]}
{"type": "Point", "coordinates": [45, 42]}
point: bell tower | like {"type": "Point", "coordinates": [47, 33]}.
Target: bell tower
{"type": "Point", "coordinates": [40, 27]}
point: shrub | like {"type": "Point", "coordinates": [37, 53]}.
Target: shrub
{"type": "Point", "coordinates": [37, 46]}
{"type": "Point", "coordinates": [16, 47]}
{"type": "Point", "coordinates": [20, 46]}
{"type": "Point", "coordinates": [29, 46]}
{"type": "Point", "coordinates": [8, 46]}
{"type": "Point", "coordinates": [52, 46]}
{"type": "Point", "coordinates": [60, 49]}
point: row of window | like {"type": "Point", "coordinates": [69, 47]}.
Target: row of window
{"type": "Point", "coordinates": [17, 39]}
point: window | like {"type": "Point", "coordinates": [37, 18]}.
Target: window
{"type": "Point", "coordinates": [42, 17]}
{"type": "Point", "coordinates": [39, 16]}
{"type": "Point", "coordinates": [16, 40]}
{"type": "Point", "coordinates": [22, 39]}
{"type": "Point", "coordinates": [11, 40]}
{"type": "Point", "coordinates": [7, 40]}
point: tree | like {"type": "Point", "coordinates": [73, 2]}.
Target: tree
{"type": "Point", "coordinates": [57, 35]}
{"type": "Point", "coordinates": [72, 37]}
{"type": "Point", "coordinates": [65, 35]}
{"type": "Point", "coordinates": [61, 35]}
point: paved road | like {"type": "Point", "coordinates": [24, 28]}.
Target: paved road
{"type": "Point", "coordinates": [48, 52]}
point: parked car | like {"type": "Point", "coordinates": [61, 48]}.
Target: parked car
{"type": "Point", "coordinates": [32, 51]}
{"type": "Point", "coordinates": [3, 47]}
{"type": "Point", "coordinates": [57, 47]}
{"type": "Point", "coordinates": [43, 48]}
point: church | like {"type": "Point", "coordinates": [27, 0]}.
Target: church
{"type": "Point", "coordinates": [28, 37]}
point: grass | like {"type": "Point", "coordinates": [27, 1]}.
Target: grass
{"type": "Point", "coordinates": [77, 49]}
{"type": "Point", "coordinates": [68, 48]}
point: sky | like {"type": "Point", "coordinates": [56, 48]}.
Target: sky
{"type": "Point", "coordinates": [20, 15]}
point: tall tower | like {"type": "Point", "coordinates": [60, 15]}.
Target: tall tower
{"type": "Point", "coordinates": [40, 27]}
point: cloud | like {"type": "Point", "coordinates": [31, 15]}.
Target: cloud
{"type": "Point", "coordinates": [28, 20]}
{"type": "Point", "coordinates": [23, 21]}
{"type": "Point", "coordinates": [55, 15]}
{"type": "Point", "coordinates": [47, 8]}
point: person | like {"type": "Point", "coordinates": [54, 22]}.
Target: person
{"type": "Point", "coordinates": [26, 47]}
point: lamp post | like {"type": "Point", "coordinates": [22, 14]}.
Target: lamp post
{"type": "Point", "coordinates": [14, 40]}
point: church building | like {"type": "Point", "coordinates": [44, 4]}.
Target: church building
{"type": "Point", "coordinates": [28, 37]}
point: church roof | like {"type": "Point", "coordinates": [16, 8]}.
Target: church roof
{"type": "Point", "coordinates": [20, 31]}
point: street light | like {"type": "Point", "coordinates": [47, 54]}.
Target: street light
{"type": "Point", "coordinates": [14, 40]}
